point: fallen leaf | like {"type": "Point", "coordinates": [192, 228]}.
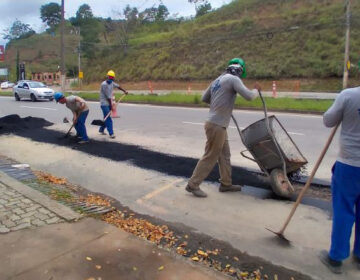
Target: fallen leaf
{"type": "Point", "coordinates": [186, 236]}
{"type": "Point", "coordinates": [89, 259]}
{"type": "Point", "coordinates": [232, 270]}
{"type": "Point", "coordinates": [275, 277]}
{"type": "Point", "coordinates": [202, 253]}
{"type": "Point", "coordinates": [98, 266]}
{"type": "Point", "coordinates": [195, 259]}
{"type": "Point", "coordinates": [236, 259]}
{"type": "Point", "coordinates": [161, 268]}
{"type": "Point", "coordinates": [244, 274]}
{"type": "Point", "coordinates": [228, 266]}
{"type": "Point", "coordinates": [134, 268]}
{"type": "Point", "coordinates": [181, 251]}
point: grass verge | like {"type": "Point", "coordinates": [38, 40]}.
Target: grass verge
{"type": "Point", "coordinates": [177, 99]}
{"type": "Point", "coordinates": [6, 93]}
{"type": "Point", "coordinates": [281, 104]}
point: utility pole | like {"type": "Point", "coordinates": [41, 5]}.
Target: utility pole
{"type": "Point", "coordinates": [79, 59]}
{"type": "Point", "coordinates": [347, 45]}
{"type": "Point", "coordinates": [62, 56]}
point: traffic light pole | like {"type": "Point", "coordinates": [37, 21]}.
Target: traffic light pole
{"type": "Point", "coordinates": [62, 56]}
{"type": "Point", "coordinates": [347, 46]}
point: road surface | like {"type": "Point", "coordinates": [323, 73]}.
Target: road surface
{"type": "Point", "coordinates": [179, 131]}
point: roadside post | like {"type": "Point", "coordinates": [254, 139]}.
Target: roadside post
{"type": "Point", "coordinates": [274, 90]}
{"type": "Point", "coordinates": [150, 87]}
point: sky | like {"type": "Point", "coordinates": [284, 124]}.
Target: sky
{"type": "Point", "coordinates": [28, 11]}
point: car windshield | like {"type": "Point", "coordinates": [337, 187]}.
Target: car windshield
{"type": "Point", "coordinates": [36, 85]}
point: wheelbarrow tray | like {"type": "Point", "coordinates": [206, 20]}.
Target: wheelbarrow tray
{"type": "Point", "coordinates": [261, 146]}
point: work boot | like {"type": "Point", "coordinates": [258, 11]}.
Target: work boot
{"type": "Point", "coordinates": [197, 192]}
{"type": "Point", "coordinates": [332, 265]}
{"type": "Point", "coordinates": [232, 188]}
{"type": "Point", "coordinates": [112, 136]}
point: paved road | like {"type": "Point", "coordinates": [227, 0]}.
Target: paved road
{"type": "Point", "coordinates": [179, 130]}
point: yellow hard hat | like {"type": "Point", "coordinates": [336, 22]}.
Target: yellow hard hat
{"type": "Point", "coordinates": [111, 73]}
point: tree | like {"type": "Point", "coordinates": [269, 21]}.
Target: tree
{"type": "Point", "coordinates": [202, 7]}
{"type": "Point", "coordinates": [84, 12]}
{"type": "Point", "coordinates": [162, 13]}
{"type": "Point", "coordinates": [155, 14]}
{"type": "Point", "coordinates": [149, 14]}
{"type": "Point", "coordinates": [18, 30]}
{"type": "Point", "coordinates": [131, 15]}
{"type": "Point", "coordinates": [51, 14]}
{"type": "Point", "coordinates": [90, 29]}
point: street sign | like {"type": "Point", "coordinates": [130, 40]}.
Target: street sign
{"type": "Point", "coordinates": [3, 71]}
{"type": "Point", "coordinates": [22, 72]}
{"type": "Point", "coordinates": [2, 53]}
{"type": "Point", "coordinates": [348, 65]}
{"type": "Point", "coordinates": [81, 75]}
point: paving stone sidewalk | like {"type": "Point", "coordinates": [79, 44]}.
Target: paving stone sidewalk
{"type": "Point", "coordinates": [18, 212]}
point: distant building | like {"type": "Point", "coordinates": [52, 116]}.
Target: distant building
{"type": "Point", "coordinates": [49, 78]}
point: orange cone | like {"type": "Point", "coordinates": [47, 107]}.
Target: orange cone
{"type": "Point", "coordinates": [114, 108]}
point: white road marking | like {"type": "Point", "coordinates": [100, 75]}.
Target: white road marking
{"type": "Point", "coordinates": [40, 108]}
{"type": "Point", "coordinates": [234, 127]}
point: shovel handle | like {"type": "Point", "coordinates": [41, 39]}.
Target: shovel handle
{"type": "Point", "coordinates": [71, 127]}
{"type": "Point", "coordinates": [121, 98]}
{"type": "Point", "coordinates": [309, 180]}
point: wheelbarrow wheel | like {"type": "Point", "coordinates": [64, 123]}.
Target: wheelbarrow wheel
{"type": "Point", "coordinates": [279, 183]}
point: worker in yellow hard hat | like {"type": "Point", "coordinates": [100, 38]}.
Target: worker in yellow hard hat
{"type": "Point", "coordinates": [106, 93]}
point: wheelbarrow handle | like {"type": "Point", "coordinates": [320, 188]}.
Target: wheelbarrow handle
{"type": "Point", "coordinates": [245, 156]}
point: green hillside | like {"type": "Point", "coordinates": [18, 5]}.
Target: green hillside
{"type": "Point", "coordinates": [277, 38]}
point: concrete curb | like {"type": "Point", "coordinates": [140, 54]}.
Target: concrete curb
{"type": "Point", "coordinates": [59, 209]}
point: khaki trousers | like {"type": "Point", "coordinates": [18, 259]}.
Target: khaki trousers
{"type": "Point", "coordinates": [217, 149]}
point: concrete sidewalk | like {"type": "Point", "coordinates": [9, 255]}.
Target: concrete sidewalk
{"type": "Point", "coordinates": [38, 243]}
{"type": "Point", "coordinates": [90, 249]}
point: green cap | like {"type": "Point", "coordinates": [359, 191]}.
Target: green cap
{"type": "Point", "coordinates": [241, 62]}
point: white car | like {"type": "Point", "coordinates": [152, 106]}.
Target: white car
{"type": "Point", "coordinates": [32, 90]}
{"type": "Point", "coordinates": [6, 85]}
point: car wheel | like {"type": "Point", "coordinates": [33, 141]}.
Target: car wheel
{"type": "Point", "coordinates": [33, 98]}
{"type": "Point", "coordinates": [17, 98]}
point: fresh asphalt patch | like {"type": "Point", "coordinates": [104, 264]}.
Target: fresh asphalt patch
{"type": "Point", "coordinates": [35, 129]}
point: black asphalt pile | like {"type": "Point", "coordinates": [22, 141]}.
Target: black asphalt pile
{"type": "Point", "coordinates": [140, 157]}
{"type": "Point", "coordinates": [13, 124]}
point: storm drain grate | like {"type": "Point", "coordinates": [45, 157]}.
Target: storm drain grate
{"type": "Point", "coordinates": [89, 208]}
{"type": "Point", "coordinates": [18, 171]}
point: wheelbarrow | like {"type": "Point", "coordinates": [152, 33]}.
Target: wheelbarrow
{"type": "Point", "coordinates": [272, 148]}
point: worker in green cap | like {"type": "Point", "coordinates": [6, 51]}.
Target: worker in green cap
{"type": "Point", "coordinates": [221, 95]}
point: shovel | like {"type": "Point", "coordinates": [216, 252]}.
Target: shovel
{"type": "Point", "coordinates": [65, 120]}
{"type": "Point", "coordinates": [280, 233]}
{"type": "Point", "coordinates": [102, 122]}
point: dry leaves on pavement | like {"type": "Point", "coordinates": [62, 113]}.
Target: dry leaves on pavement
{"type": "Point", "coordinates": [50, 178]}
{"type": "Point", "coordinates": [95, 200]}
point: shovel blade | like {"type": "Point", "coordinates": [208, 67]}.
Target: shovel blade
{"type": "Point", "coordinates": [98, 122]}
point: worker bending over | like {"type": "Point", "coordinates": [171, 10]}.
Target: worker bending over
{"type": "Point", "coordinates": [80, 111]}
